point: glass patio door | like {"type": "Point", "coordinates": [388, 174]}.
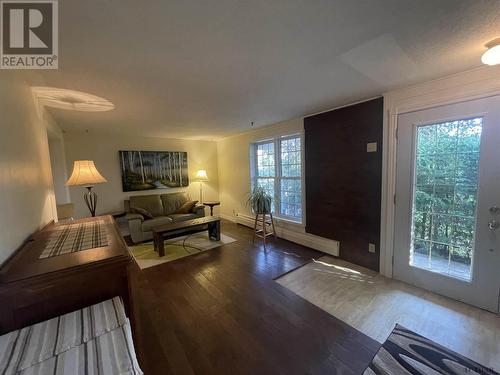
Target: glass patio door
{"type": "Point", "coordinates": [447, 236]}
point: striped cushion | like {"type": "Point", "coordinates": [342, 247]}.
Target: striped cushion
{"type": "Point", "coordinates": [110, 353]}
{"type": "Point", "coordinates": [28, 346]}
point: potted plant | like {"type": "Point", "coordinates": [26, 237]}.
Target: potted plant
{"type": "Point", "coordinates": [260, 201]}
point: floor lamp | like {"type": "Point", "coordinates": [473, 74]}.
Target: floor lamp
{"type": "Point", "coordinates": [201, 177]}
{"type": "Point", "coordinates": [85, 173]}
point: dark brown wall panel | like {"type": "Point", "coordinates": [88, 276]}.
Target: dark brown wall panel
{"type": "Point", "coordinates": [343, 180]}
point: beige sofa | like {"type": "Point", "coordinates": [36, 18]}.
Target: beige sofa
{"type": "Point", "coordinates": [162, 208]}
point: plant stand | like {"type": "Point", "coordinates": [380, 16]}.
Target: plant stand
{"type": "Point", "coordinates": [266, 222]}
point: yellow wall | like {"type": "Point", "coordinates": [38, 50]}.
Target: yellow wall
{"type": "Point", "coordinates": [26, 193]}
{"type": "Point", "coordinates": [103, 149]}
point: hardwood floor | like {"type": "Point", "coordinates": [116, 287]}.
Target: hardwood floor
{"type": "Point", "coordinates": [373, 304]}
{"type": "Point", "coordinates": [221, 312]}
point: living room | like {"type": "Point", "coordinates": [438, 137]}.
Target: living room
{"type": "Point", "coordinates": [250, 187]}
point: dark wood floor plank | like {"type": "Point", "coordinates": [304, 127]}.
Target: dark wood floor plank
{"type": "Point", "coordinates": [221, 312]}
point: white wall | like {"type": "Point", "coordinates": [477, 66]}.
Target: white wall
{"type": "Point", "coordinates": [26, 193]}
{"type": "Point", "coordinates": [103, 149]}
{"type": "Point", "coordinates": [472, 84]}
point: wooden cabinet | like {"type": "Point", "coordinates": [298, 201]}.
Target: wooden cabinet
{"type": "Point", "coordinates": [34, 289]}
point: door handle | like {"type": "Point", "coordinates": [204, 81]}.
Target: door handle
{"type": "Point", "coordinates": [493, 225]}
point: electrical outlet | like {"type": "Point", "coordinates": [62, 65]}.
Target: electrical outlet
{"type": "Point", "coordinates": [371, 147]}
{"type": "Point", "coordinates": [371, 247]}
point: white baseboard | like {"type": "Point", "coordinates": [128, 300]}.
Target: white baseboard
{"type": "Point", "coordinates": [314, 242]}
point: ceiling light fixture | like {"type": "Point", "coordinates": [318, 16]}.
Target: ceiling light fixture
{"type": "Point", "coordinates": [70, 99]}
{"type": "Point", "coordinates": [492, 54]}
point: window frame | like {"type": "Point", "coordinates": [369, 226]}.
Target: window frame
{"type": "Point", "coordinates": [278, 177]}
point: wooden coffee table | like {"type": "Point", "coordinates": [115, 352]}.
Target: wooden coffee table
{"type": "Point", "coordinates": [182, 228]}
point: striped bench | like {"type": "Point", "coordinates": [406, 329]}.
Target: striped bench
{"type": "Point", "coordinates": [93, 340]}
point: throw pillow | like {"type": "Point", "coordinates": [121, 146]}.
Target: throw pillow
{"type": "Point", "coordinates": [141, 211]}
{"type": "Point", "coordinates": [186, 208]}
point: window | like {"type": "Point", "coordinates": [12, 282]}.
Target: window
{"type": "Point", "coordinates": [445, 196]}
{"type": "Point", "coordinates": [278, 169]}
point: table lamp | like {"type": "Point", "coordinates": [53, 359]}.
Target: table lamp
{"type": "Point", "coordinates": [85, 173]}
{"type": "Point", "coordinates": [201, 176]}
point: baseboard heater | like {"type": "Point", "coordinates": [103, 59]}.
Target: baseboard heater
{"type": "Point", "coordinates": [315, 242]}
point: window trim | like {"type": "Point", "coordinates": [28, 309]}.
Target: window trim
{"type": "Point", "coordinates": [278, 174]}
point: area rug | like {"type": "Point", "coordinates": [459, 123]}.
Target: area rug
{"type": "Point", "coordinates": [176, 248]}
{"type": "Point", "coordinates": [405, 352]}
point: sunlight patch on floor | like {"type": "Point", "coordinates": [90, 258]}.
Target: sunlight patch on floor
{"type": "Point", "coordinates": [345, 269]}
{"type": "Point", "coordinates": [374, 304]}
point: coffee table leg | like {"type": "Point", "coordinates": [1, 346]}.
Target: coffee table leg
{"type": "Point", "coordinates": [214, 230]}
{"type": "Point", "coordinates": [160, 245]}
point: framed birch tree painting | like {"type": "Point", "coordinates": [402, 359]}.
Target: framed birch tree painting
{"type": "Point", "coordinates": [147, 170]}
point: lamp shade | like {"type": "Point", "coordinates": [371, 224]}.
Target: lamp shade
{"type": "Point", "coordinates": [201, 175]}
{"type": "Point", "coordinates": [85, 173]}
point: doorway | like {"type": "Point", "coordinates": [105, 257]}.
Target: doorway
{"type": "Point", "coordinates": [447, 236]}
{"type": "Point", "coordinates": [59, 175]}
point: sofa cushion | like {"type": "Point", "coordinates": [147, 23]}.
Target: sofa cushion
{"type": "Point", "coordinates": [141, 211]}
{"type": "Point", "coordinates": [182, 217]}
{"type": "Point", "coordinates": [147, 225]}
{"type": "Point", "coordinates": [152, 203]}
{"type": "Point", "coordinates": [186, 208]}
{"type": "Point", "coordinates": [171, 202]}
{"type": "Point", "coordinates": [199, 210]}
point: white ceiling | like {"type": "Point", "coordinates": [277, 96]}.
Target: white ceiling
{"type": "Point", "coordinates": [206, 69]}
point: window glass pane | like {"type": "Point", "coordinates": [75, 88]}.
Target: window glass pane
{"type": "Point", "coordinates": [290, 198]}
{"type": "Point", "coordinates": [285, 177]}
{"type": "Point", "coordinates": [265, 160]}
{"type": "Point", "coordinates": [290, 157]}
{"type": "Point", "coordinates": [445, 197]}
{"type": "Point", "coordinates": [268, 185]}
